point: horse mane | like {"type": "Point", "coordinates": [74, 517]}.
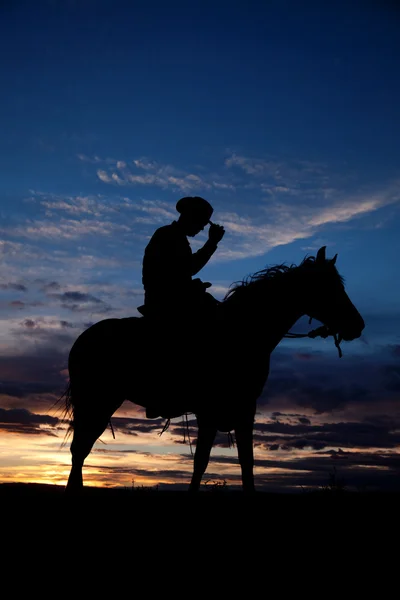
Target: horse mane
{"type": "Point", "coordinates": [272, 273]}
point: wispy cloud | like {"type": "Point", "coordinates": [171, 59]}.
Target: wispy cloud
{"type": "Point", "coordinates": [96, 238]}
{"type": "Point", "coordinates": [8, 248]}
{"type": "Point", "coordinates": [74, 205]}
{"type": "Point", "coordinates": [339, 213]}
{"type": "Point", "coordinates": [253, 166]}
{"type": "Point", "coordinates": [271, 176]}
{"type": "Point", "coordinates": [259, 166]}
{"type": "Point", "coordinates": [45, 324]}
{"type": "Point", "coordinates": [149, 173]}
{"type": "Point", "coordinates": [20, 420]}
{"type": "Point", "coordinates": [269, 221]}
{"type": "Point", "coordinates": [103, 176]}
{"type": "Point", "coordinates": [119, 208]}
{"type": "Point", "coordinates": [284, 223]}
{"type": "Point", "coordinates": [237, 172]}
{"type": "Point", "coordinates": [68, 229]}
{"type": "Point", "coordinates": [19, 287]}
{"type": "Point", "coordinates": [79, 301]}
{"type": "Point", "coordinates": [95, 160]}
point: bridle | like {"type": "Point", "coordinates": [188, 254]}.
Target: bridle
{"type": "Point", "coordinates": [322, 331]}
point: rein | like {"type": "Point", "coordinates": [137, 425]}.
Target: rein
{"type": "Point", "coordinates": [322, 331]}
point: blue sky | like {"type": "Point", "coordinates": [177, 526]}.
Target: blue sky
{"type": "Point", "coordinates": [284, 115]}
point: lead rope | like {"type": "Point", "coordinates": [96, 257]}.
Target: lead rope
{"type": "Point", "coordinates": [337, 344]}
{"type": "Point", "coordinates": [322, 331]}
{"type": "Point", "coordinates": [185, 417]}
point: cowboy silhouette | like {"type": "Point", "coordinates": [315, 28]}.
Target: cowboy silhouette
{"type": "Point", "coordinates": [169, 264]}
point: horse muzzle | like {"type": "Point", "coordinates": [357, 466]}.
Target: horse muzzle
{"type": "Point", "coordinates": [351, 331]}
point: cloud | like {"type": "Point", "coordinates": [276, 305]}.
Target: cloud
{"type": "Point", "coordinates": [292, 448]}
{"type": "Point", "coordinates": [145, 164]}
{"type": "Point", "coordinates": [321, 470]}
{"type": "Point", "coordinates": [285, 223]}
{"type": "Point", "coordinates": [78, 301]}
{"type": "Point", "coordinates": [41, 323]}
{"type": "Point", "coordinates": [223, 186]}
{"type": "Point", "coordinates": [239, 172]}
{"type": "Point", "coordinates": [96, 159]}
{"type": "Point", "coordinates": [252, 166]}
{"type": "Point", "coordinates": [105, 215]}
{"type": "Point", "coordinates": [327, 385]}
{"type": "Point", "coordinates": [49, 286]}
{"type": "Point", "coordinates": [20, 420]}
{"type": "Point", "coordinates": [9, 249]}
{"type": "Point", "coordinates": [339, 213]}
{"type": "Point", "coordinates": [76, 205]}
{"type": "Point", "coordinates": [33, 377]}
{"type": "Point", "coordinates": [353, 435]}
{"type": "Point", "coordinates": [19, 287]}
{"type": "Point", "coordinates": [78, 297]}
{"type": "Point", "coordinates": [115, 177]}
{"type": "Point", "coordinates": [276, 216]}
{"type": "Point", "coordinates": [278, 170]}
{"type": "Point", "coordinates": [84, 158]}
{"type": "Point", "coordinates": [162, 176]}
{"type": "Point", "coordinates": [17, 304]}
{"type": "Point", "coordinates": [103, 176]}
{"type": "Point", "coordinates": [158, 209]}
{"type": "Point", "coordinates": [86, 240]}
{"type": "Point", "coordinates": [68, 229]}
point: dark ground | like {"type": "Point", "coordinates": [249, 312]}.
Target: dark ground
{"type": "Point", "coordinates": [322, 534]}
{"type": "Point", "coordinates": [325, 504]}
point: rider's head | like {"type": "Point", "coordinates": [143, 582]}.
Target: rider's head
{"type": "Point", "coordinates": [195, 213]}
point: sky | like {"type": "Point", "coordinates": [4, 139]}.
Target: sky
{"type": "Point", "coordinates": [284, 115]}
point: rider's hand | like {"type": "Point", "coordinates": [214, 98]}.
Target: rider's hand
{"type": "Point", "coordinates": [216, 233]}
{"type": "Point", "coordinates": [200, 286]}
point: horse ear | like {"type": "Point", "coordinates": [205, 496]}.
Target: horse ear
{"type": "Point", "coordinates": [321, 255]}
{"type": "Point", "coordinates": [333, 260]}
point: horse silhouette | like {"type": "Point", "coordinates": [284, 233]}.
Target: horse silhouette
{"type": "Point", "coordinates": [220, 379]}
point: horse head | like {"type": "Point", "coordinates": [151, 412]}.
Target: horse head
{"type": "Point", "coordinates": [327, 301]}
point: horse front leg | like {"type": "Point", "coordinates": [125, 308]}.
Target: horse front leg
{"type": "Point", "coordinates": [205, 439]}
{"type": "Point", "coordinates": [244, 441]}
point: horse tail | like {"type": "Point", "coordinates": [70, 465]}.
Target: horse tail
{"type": "Point", "coordinates": [68, 410]}
{"type": "Point", "coordinates": [68, 404]}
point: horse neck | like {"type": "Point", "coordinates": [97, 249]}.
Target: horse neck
{"type": "Point", "coordinates": [281, 316]}
{"type": "Point", "coordinates": [272, 315]}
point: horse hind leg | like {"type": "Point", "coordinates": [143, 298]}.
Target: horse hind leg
{"type": "Point", "coordinates": [88, 425]}
{"type": "Point", "coordinates": [205, 439]}
{"type": "Point", "coordinates": [244, 441]}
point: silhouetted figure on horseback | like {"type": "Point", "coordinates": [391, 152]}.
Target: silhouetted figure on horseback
{"type": "Point", "coordinates": [171, 295]}
{"type": "Point", "coordinates": [115, 360]}
{"type": "Point", "coordinates": [176, 306]}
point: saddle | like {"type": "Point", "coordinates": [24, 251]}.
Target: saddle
{"type": "Point", "coordinates": [206, 308]}
{"type": "Point", "coordinates": [166, 348]}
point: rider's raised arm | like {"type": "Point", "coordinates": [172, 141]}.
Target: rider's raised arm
{"type": "Point", "coordinates": [202, 256]}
